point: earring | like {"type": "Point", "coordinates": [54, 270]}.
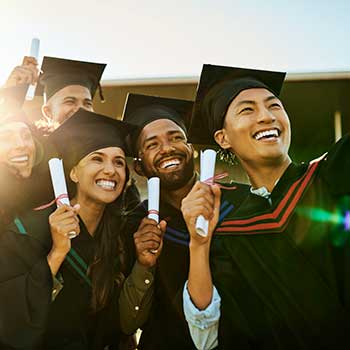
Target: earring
{"type": "Point", "coordinates": [227, 156]}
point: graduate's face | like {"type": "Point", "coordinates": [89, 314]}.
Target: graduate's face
{"type": "Point", "coordinates": [17, 148]}
{"type": "Point", "coordinates": [65, 102]}
{"type": "Point", "coordinates": [165, 153]}
{"type": "Point", "coordinates": [100, 176]}
{"type": "Point", "coordinates": [256, 128]}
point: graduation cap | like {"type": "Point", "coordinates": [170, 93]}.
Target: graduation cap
{"type": "Point", "coordinates": [141, 110]}
{"type": "Point", "coordinates": [58, 73]}
{"type": "Point", "coordinates": [218, 87]}
{"type": "Point", "coordinates": [11, 101]}
{"type": "Point", "coordinates": [86, 132]}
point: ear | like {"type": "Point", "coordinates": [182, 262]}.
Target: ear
{"type": "Point", "coordinates": [138, 167]}
{"type": "Point", "coordinates": [73, 175]}
{"type": "Point", "coordinates": [221, 139]}
{"type": "Point", "coordinates": [46, 111]}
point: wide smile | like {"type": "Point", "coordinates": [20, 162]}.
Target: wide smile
{"type": "Point", "coordinates": [21, 159]}
{"type": "Point", "coordinates": [267, 135]}
{"type": "Point", "coordinates": [169, 164]}
{"type": "Point", "coordinates": [106, 185]}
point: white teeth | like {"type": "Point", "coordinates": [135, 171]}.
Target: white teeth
{"type": "Point", "coordinates": [106, 184]}
{"type": "Point", "coordinates": [19, 159]}
{"type": "Point", "coordinates": [266, 133]}
{"type": "Point", "coordinates": [169, 163]}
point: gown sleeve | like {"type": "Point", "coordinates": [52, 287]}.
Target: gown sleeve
{"type": "Point", "coordinates": [336, 168]}
{"type": "Point", "coordinates": [25, 289]}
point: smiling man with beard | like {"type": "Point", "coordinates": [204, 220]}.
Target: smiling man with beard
{"type": "Point", "coordinates": [161, 149]}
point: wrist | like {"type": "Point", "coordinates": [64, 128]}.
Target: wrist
{"type": "Point", "coordinates": [58, 253]}
{"type": "Point", "coordinates": [199, 246]}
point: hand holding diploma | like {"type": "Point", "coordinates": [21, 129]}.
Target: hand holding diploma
{"type": "Point", "coordinates": [207, 161]}
{"type": "Point", "coordinates": [153, 201]}
{"type": "Point", "coordinates": [34, 54]}
{"type": "Point", "coordinates": [59, 186]}
{"type": "Point", "coordinates": [153, 198]}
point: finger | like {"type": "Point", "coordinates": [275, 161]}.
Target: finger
{"type": "Point", "coordinates": [196, 210]}
{"type": "Point", "coordinates": [59, 210]}
{"type": "Point", "coordinates": [29, 60]}
{"type": "Point", "coordinates": [25, 74]}
{"type": "Point", "coordinates": [147, 246]}
{"type": "Point", "coordinates": [66, 221]}
{"type": "Point", "coordinates": [69, 228]}
{"type": "Point", "coordinates": [69, 214]}
{"type": "Point", "coordinates": [149, 237]}
{"type": "Point", "coordinates": [217, 195]}
{"type": "Point", "coordinates": [76, 208]}
{"type": "Point", "coordinates": [148, 229]}
{"type": "Point", "coordinates": [162, 226]}
{"type": "Point", "coordinates": [146, 221]}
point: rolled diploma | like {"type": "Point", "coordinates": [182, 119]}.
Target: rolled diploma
{"type": "Point", "coordinates": [34, 52]}
{"type": "Point", "coordinates": [59, 184]}
{"type": "Point", "coordinates": [58, 180]}
{"type": "Point", "coordinates": [153, 198]}
{"type": "Point", "coordinates": [208, 158]}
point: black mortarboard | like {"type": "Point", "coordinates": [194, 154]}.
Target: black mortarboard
{"type": "Point", "coordinates": [141, 110]}
{"type": "Point", "coordinates": [86, 132]}
{"type": "Point", "coordinates": [218, 86]}
{"type": "Point", "coordinates": [58, 73]}
{"type": "Point", "coordinates": [12, 99]}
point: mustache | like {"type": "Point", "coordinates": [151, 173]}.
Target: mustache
{"type": "Point", "coordinates": [169, 155]}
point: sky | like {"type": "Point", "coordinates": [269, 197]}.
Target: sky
{"type": "Point", "coordinates": [161, 38]}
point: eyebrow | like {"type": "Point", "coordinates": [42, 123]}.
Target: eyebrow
{"type": "Point", "coordinates": [267, 99]}
{"type": "Point", "coordinates": [74, 98]}
{"type": "Point", "coordinates": [103, 154]}
{"type": "Point", "coordinates": [169, 133]}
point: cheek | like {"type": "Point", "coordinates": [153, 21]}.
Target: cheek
{"type": "Point", "coordinates": [122, 176]}
{"type": "Point", "coordinates": [4, 150]}
{"type": "Point", "coordinates": [31, 146]}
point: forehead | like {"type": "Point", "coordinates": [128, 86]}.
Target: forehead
{"type": "Point", "coordinates": [159, 128]}
{"type": "Point", "coordinates": [110, 152]}
{"type": "Point", "coordinates": [77, 91]}
{"type": "Point", "coordinates": [255, 94]}
{"type": "Point", "coordinates": [13, 127]}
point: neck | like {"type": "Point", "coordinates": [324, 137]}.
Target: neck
{"type": "Point", "coordinates": [175, 197]}
{"type": "Point", "coordinates": [90, 212]}
{"type": "Point", "coordinates": [266, 175]}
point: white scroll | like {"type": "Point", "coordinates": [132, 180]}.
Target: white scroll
{"type": "Point", "coordinates": [34, 52]}
{"type": "Point", "coordinates": [153, 198]}
{"type": "Point", "coordinates": [153, 201]}
{"type": "Point", "coordinates": [207, 162]}
{"type": "Point", "coordinates": [59, 185]}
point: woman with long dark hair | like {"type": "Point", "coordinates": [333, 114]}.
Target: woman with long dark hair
{"type": "Point", "coordinates": [89, 269]}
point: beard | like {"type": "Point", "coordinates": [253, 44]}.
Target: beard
{"type": "Point", "coordinates": [177, 179]}
{"type": "Point", "coordinates": [174, 180]}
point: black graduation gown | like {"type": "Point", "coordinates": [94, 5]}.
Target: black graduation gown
{"type": "Point", "coordinates": [25, 285]}
{"type": "Point", "coordinates": [71, 324]}
{"type": "Point", "coordinates": [282, 267]}
{"type": "Point", "coordinates": [67, 322]}
{"type": "Point", "coordinates": [166, 327]}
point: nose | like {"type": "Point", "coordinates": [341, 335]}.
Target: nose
{"type": "Point", "coordinates": [109, 168]}
{"type": "Point", "coordinates": [265, 116]}
{"type": "Point", "coordinates": [166, 147]}
{"type": "Point", "coordinates": [18, 141]}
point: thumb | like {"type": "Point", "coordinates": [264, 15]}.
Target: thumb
{"type": "Point", "coordinates": [162, 226]}
{"type": "Point", "coordinates": [217, 194]}
{"type": "Point", "coordinates": [76, 208]}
